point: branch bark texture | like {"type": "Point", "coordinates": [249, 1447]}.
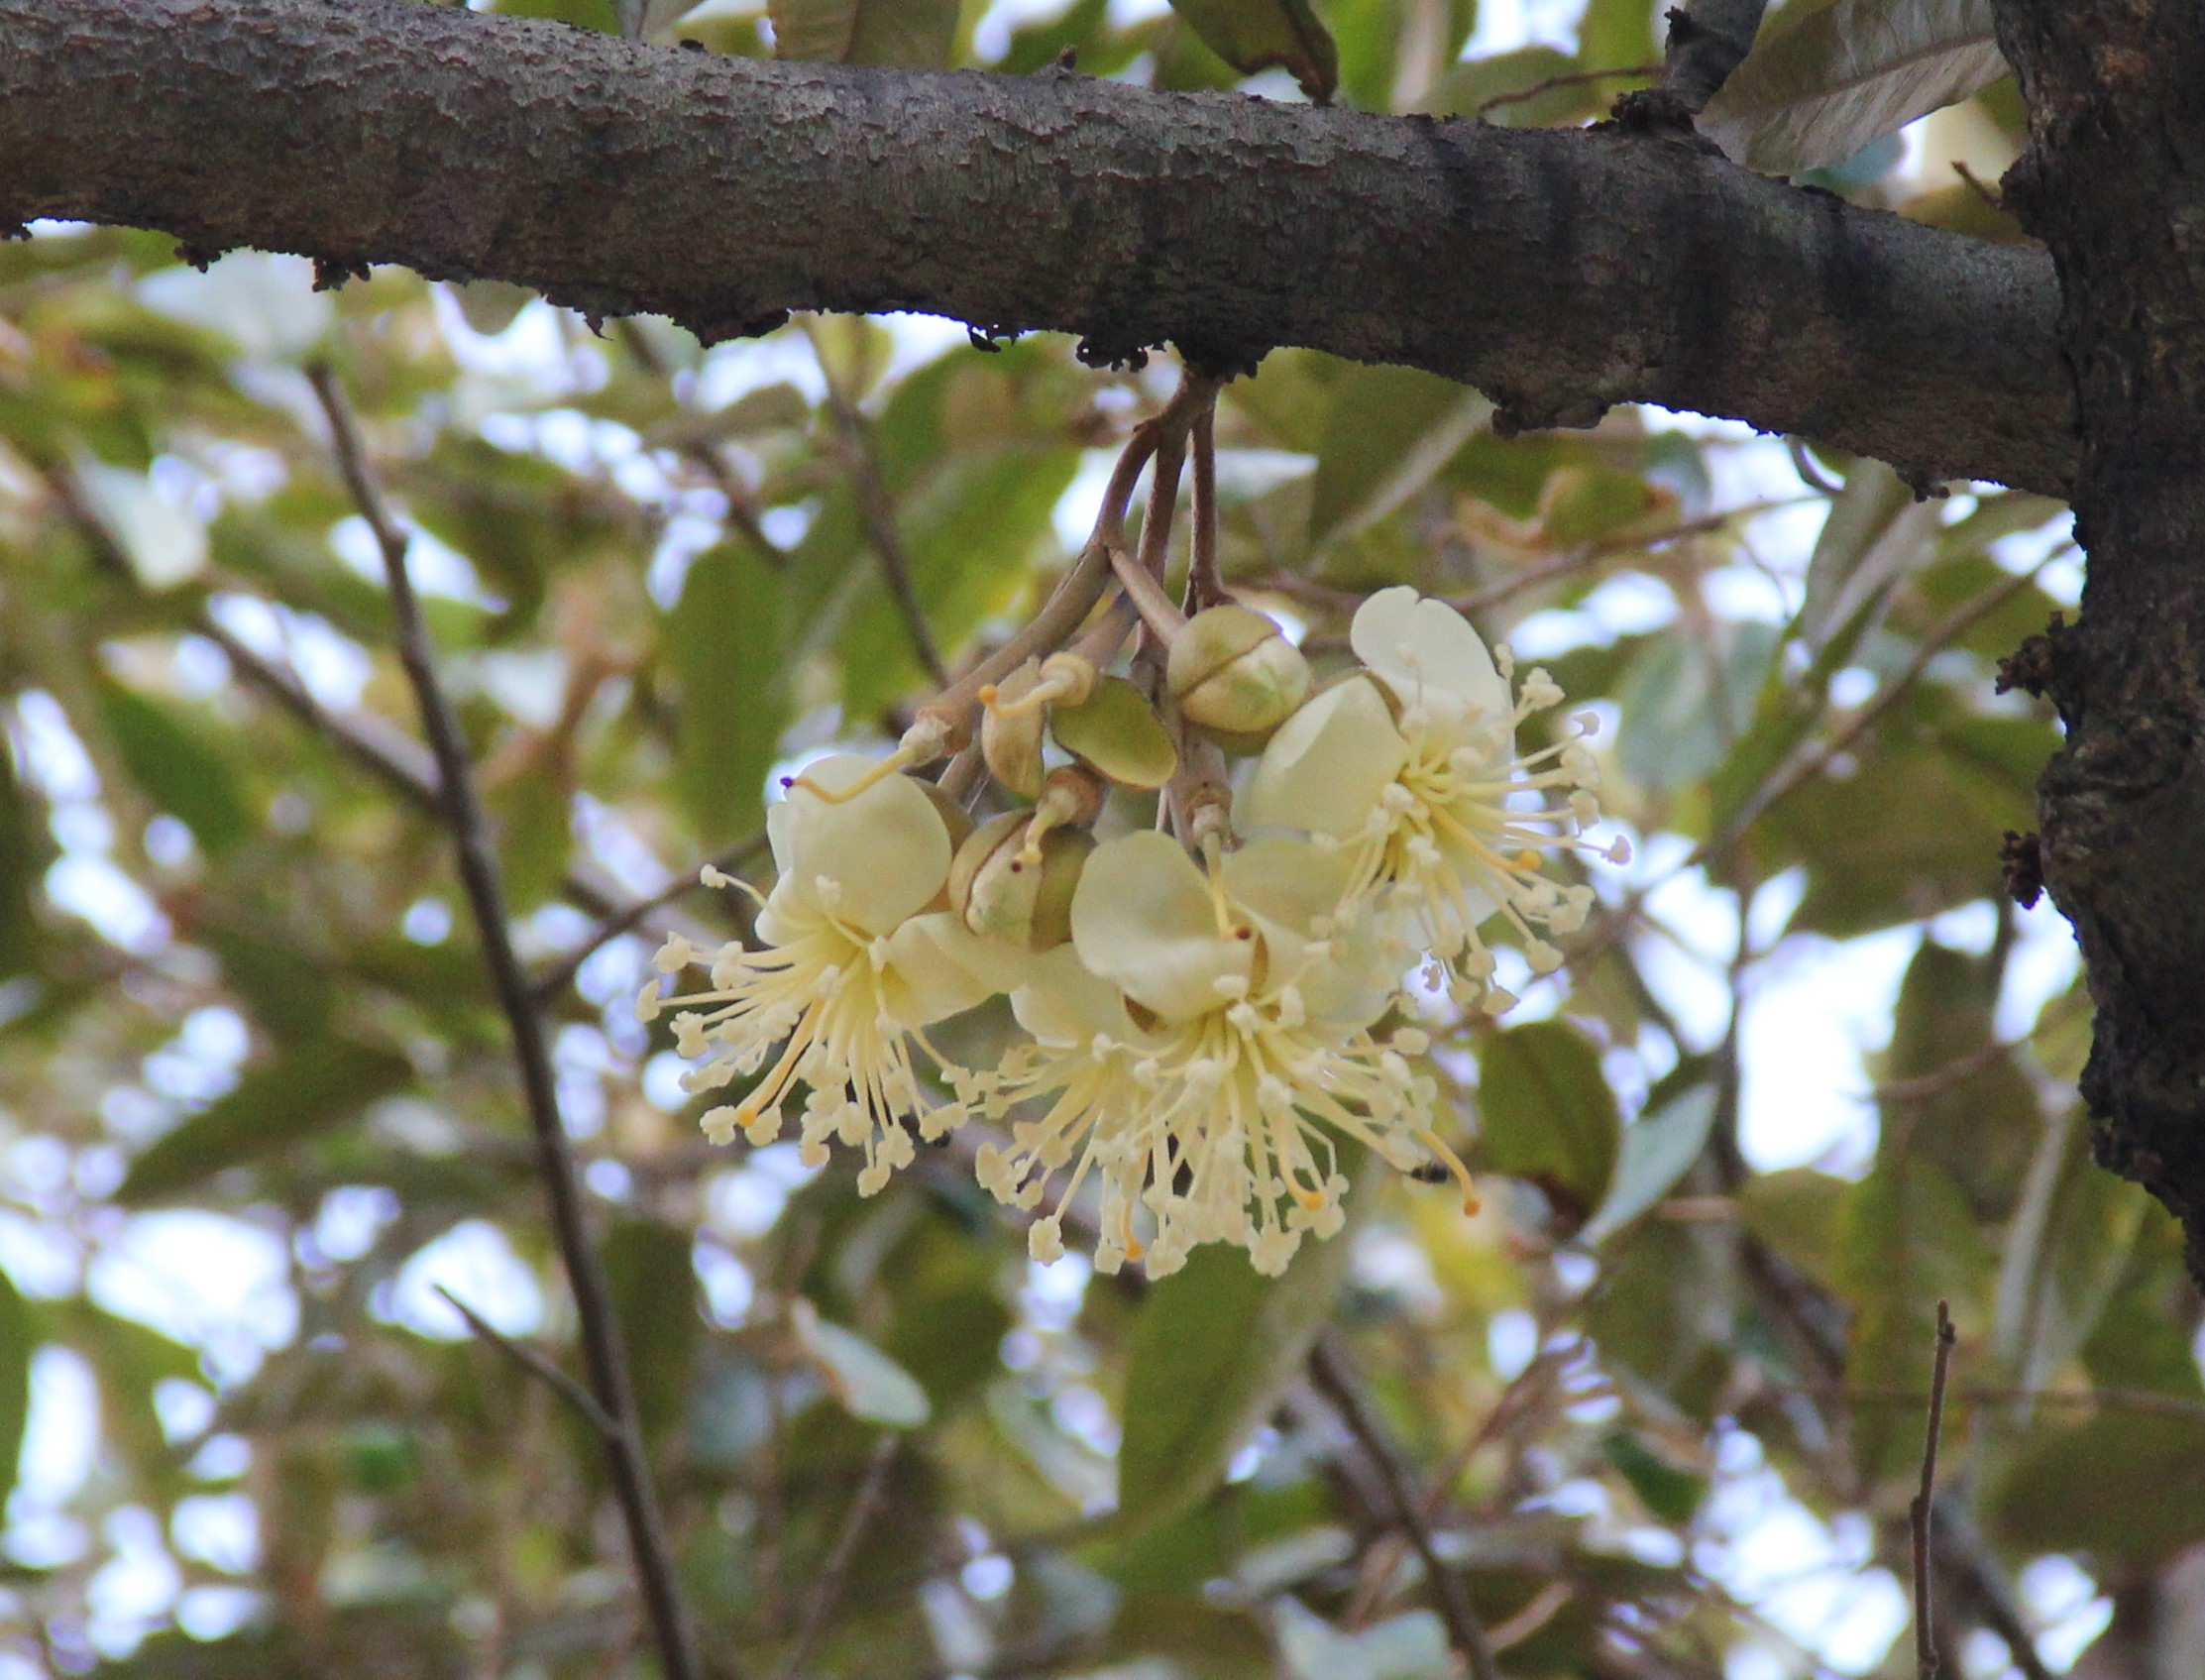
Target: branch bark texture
{"type": "Point", "coordinates": [1560, 271]}
{"type": "Point", "coordinates": [2113, 182]}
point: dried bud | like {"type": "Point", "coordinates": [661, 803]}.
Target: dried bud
{"type": "Point", "coordinates": [1115, 733]}
{"type": "Point", "coordinates": [1006, 886]}
{"type": "Point", "coordinates": [1235, 676]}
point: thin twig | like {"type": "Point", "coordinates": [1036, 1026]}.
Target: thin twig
{"type": "Point", "coordinates": [742, 507]}
{"type": "Point", "coordinates": [1574, 78]}
{"type": "Point", "coordinates": [1808, 762]}
{"type": "Point", "coordinates": [1204, 586]}
{"type": "Point", "coordinates": [555, 979]}
{"type": "Point", "coordinates": [478, 867]}
{"type": "Point", "coordinates": [2102, 1399]}
{"type": "Point", "coordinates": [1924, 1642]}
{"type": "Point", "coordinates": [1329, 1370]}
{"type": "Point", "coordinates": [537, 1365]}
{"type": "Point", "coordinates": [826, 1590]}
{"type": "Point", "coordinates": [877, 510]}
{"type": "Point", "coordinates": [1707, 39]}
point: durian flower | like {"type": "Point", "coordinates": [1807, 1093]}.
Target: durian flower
{"type": "Point", "coordinates": [1409, 770]}
{"type": "Point", "coordinates": [1197, 1046]}
{"type": "Point", "coordinates": [855, 961]}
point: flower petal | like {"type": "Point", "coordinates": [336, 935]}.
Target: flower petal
{"type": "Point", "coordinates": [1324, 769]}
{"type": "Point", "coordinates": [1063, 1005]}
{"type": "Point", "coordinates": [1293, 893]}
{"type": "Point", "coordinates": [1427, 654]}
{"type": "Point", "coordinates": [938, 967]}
{"type": "Point", "coordinates": [885, 849]}
{"type": "Point", "coordinates": [1143, 920]}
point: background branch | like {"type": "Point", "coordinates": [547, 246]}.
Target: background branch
{"type": "Point", "coordinates": [609, 1386]}
{"type": "Point", "coordinates": [1559, 272]}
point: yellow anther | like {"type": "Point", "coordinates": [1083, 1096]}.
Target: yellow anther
{"type": "Point", "coordinates": [1528, 858]}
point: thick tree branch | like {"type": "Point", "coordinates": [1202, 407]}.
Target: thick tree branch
{"type": "Point", "coordinates": [2114, 181]}
{"type": "Point", "coordinates": [1560, 271]}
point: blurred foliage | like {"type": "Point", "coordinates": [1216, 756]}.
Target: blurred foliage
{"type": "Point", "coordinates": [255, 1094]}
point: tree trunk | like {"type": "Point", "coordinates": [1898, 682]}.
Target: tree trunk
{"type": "Point", "coordinates": [2113, 182]}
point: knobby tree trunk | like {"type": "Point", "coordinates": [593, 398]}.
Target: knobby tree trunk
{"type": "Point", "coordinates": [2113, 182]}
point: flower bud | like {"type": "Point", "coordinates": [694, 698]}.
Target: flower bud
{"type": "Point", "coordinates": [1233, 675]}
{"type": "Point", "coordinates": [1004, 887]}
{"type": "Point", "coordinates": [1011, 731]}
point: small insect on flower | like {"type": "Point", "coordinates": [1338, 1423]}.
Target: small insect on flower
{"type": "Point", "coordinates": [852, 967]}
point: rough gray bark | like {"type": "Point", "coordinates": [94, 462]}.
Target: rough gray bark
{"type": "Point", "coordinates": [1707, 39]}
{"type": "Point", "coordinates": [1559, 272]}
{"type": "Point", "coordinates": [2114, 181]}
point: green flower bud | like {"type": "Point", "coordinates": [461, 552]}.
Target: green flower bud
{"type": "Point", "coordinates": [1235, 676]}
{"type": "Point", "coordinates": [1008, 886]}
{"type": "Point", "coordinates": [1011, 731]}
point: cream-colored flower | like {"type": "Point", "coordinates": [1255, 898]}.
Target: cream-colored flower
{"type": "Point", "coordinates": [854, 964]}
{"type": "Point", "coordinates": [1410, 771]}
{"type": "Point", "coordinates": [1196, 1048]}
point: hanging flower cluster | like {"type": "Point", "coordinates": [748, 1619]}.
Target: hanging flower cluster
{"type": "Point", "coordinates": [1206, 1009]}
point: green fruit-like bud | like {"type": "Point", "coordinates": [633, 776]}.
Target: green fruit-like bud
{"type": "Point", "coordinates": [1005, 887]}
{"type": "Point", "coordinates": [1233, 675]}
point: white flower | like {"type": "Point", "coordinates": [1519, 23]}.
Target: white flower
{"type": "Point", "coordinates": [1196, 1046]}
{"type": "Point", "coordinates": [854, 964]}
{"type": "Point", "coordinates": [1411, 773]}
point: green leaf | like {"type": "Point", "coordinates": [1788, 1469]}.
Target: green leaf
{"type": "Point", "coordinates": [1848, 75]}
{"type": "Point", "coordinates": [534, 814]}
{"type": "Point", "coordinates": [1388, 431]}
{"type": "Point", "coordinates": [1657, 1151]}
{"type": "Point", "coordinates": [1906, 1239]}
{"type": "Point", "coordinates": [274, 1105]}
{"type": "Point", "coordinates": [1978, 1119]}
{"type": "Point", "coordinates": [653, 1285]}
{"type": "Point", "coordinates": [724, 650]}
{"type": "Point", "coordinates": [1666, 1310]}
{"type": "Point", "coordinates": [1796, 1212]}
{"type": "Point", "coordinates": [1684, 704]}
{"type": "Point", "coordinates": [869, 1385]}
{"type": "Point", "coordinates": [180, 769]}
{"type": "Point", "coordinates": [1260, 35]}
{"type": "Point", "coordinates": [25, 849]}
{"type": "Point", "coordinates": [1668, 1491]}
{"type": "Point", "coordinates": [1876, 532]}
{"type": "Point", "coordinates": [2066, 1254]}
{"type": "Point", "coordinates": [15, 1380]}
{"type": "Point", "coordinates": [1546, 1114]}
{"type": "Point", "coordinates": [1214, 1345]}
{"type": "Point", "coordinates": [916, 34]}
{"type": "Point", "coordinates": [2122, 1486]}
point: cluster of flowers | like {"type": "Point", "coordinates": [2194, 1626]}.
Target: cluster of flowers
{"type": "Point", "coordinates": [1201, 1017]}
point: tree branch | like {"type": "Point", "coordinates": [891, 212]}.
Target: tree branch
{"type": "Point", "coordinates": [1336, 1381]}
{"type": "Point", "coordinates": [477, 865]}
{"type": "Point", "coordinates": [1559, 272]}
{"type": "Point", "coordinates": [1707, 39]}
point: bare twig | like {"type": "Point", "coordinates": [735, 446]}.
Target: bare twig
{"type": "Point", "coordinates": [742, 507]}
{"type": "Point", "coordinates": [2101, 1400]}
{"type": "Point", "coordinates": [826, 1590]}
{"type": "Point", "coordinates": [1707, 39]}
{"type": "Point", "coordinates": [1924, 1642]}
{"type": "Point", "coordinates": [1958, 1071]}
{"type": "Point", "coordinates": [1808, 762]}
{"type": "Point", "coordinates": [1810, 474]}
{"type": "Point", "coordinates": [1204, 587]}
{"type": "Point", "coordinates": [478, 867]}
{"type": "Point", "coordinates": [877, 508]}
{"type": "Point", "coordinates": [1330, 1372]}
{"type": "Point", "coordinates": [537, 1366]}
{"type": "Point", "coordinates": [555, 979]}
{"type": "Point", "coordinates": [1574, 78]}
